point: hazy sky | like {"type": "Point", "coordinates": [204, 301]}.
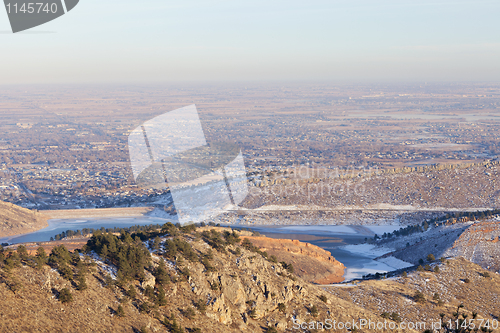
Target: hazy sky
{"type": "Point", "coordinates": [159, 40]}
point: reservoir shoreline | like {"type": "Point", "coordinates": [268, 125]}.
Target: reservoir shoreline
{"type": "Point", "coordinates": [335, 239]}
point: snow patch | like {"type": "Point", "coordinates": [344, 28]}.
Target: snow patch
{"type": "Point", "coordinates": [392, 207]}
{"type": "Point", "coordinates": [371, 267]}
{"type": "Point", "coordinates": [381, 229]}
{"type": "Point", "coordinates": [334, 229]}
{"type": "Point", "coordinates": [277, 207]}
{"type": "Point", "coordinates": [367, 250]}
{"type": "Point", "coordinates": [160, 213]}
{"type": "Point", "coordinates": [394, 262]}
{"type": "Point", "coordinates": [110, 269]}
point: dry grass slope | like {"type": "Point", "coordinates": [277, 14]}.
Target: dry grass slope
{"type": "Point", "coordinates": [457, 282]}
{"type": "Point", "coordinates": [17, 220]}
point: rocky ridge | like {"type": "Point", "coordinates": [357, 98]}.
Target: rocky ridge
{"type": "Point", "coordinates": [354, 198]}
{"type": "Point", "coordinates": [241, 290]}
{"type": "Point", "coordinates": [311, 262]}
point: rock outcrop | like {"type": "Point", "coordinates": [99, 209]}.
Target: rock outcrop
{"type": "Point", "coordinates": [149, 280]}
{"type": "Point", "coordinates": [310, 262]}
{"type": "Point", "coordinates": [261, 290]}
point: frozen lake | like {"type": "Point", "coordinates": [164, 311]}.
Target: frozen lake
{"type": "Point", "coordinates": [344, 244]}
{"type": "Point", "coordinates": [56, 226]}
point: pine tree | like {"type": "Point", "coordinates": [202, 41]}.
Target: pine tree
{"type": "Point", "coordinates": [40, 253]}
{"type": "Point", "coordinates": [201, 305]}
{"type": "Point", "coordinates": [173, 326]}
{"type": "Point", "coordinates": [82, 283]}
{"type": "Point", "coordinates": [65, 295]}
{"type": "Point", "coordinates": [81, 268]}
{"type": "Point", "coordinates": [161, 299]}
{"type": "Point", "coordinates": [120, 312]}
{"type": "Point", "coordinates": [104, 252]}
{"type": "Point", "coordinates": [108, 281]}
{"type": "Point", "coordinates": [59, 255]}
{"type": "Point", "coordinates": [144, 307]}
{"type": "Point", "coordinates": [156, 243]}
{"type": "Point", "coordinates": [189, 313]}
{"type": "Point", "coordinates": [66, 271]}
{"type": "Point", "coordinates": [419, 297]}
{"type": "Point", "coordinates": [131, 292]}
{"type": "Point", "coordinates": [23, 252]}
{"type": "Point", "coordinates": [39, 262]}
{"type": "Point", "coordinates": [314, 311]}
{"type": "Point", "coordinates": [149, 292]}
{"type": "Point", "coordinates": [161, 273]}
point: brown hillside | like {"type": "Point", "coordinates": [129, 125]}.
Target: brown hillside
{"type": "Point", "coordinates": [458, 282]}
{"type": "Point", "coordinates": [16, 220]}
{"type": "Point", "coordinates": [237, 286]}
{"type": "Point", "coordinates": [242, 292]}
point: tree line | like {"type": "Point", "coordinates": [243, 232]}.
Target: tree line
{"type": "Point", "coordinates": [448, 218]}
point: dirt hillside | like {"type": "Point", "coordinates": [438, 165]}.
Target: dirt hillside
{"type": "Point", "coordinates": [16, 220]}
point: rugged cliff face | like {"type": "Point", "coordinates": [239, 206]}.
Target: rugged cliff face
{"type": "Point", "coordinates": [16, 220]}
{"type": "Point", "coordinates": [310, 262]}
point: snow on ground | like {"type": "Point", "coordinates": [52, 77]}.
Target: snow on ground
{"type": "Point", "coordinates": [162, 214]}
{"type": "Point", "coordinates": [110, 269]}
{"type": "Point", "coordinates": [334, 229]}
{"type": "Point", "coordinates": [371, 267]}
{"type": "Point", "coordinates": [170, 265]}
{"type": "Point", "coordinates": [278, 207]}
{"type": "Point", "coordinates": [342, 285]}
{"type": "Point", "coordinates": [161, 245]}
{"type": "Point", "coordinates": [392, 207]}
{"type": "Point", "coordinates": [371, 251]}
{"type": "Point", "coordinates": [394, 262]}
{"type": "Point", "coordinates": [380, 229]}
{"type": "Point", "coordinates": [367, 250]}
